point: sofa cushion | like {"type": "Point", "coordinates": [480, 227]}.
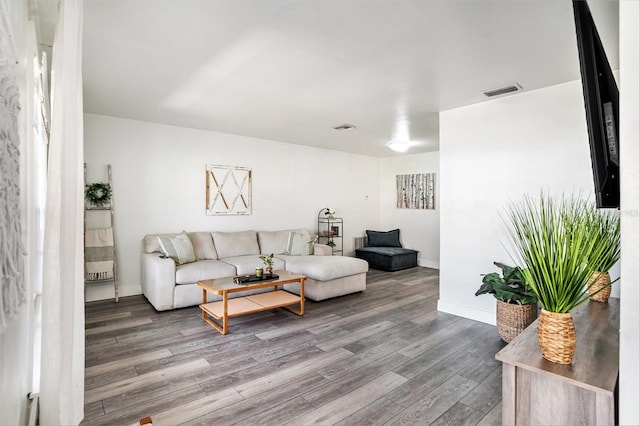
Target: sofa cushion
{"type": "Point", "coordinates": [203, 270]}
{"type": "Point", "coordinates": [325, 268]}
{"type": "Point", "coordinates": [246, 265]}
{"type": "Point", "coordinates": [230, 244]}
{"type": "Point", "coordinates": [203, 245]}
{"type": "Point", "coordinates": [383, 239]}
{"type": "Point", "coordinates": [273, 241]}
{"type": "Point", "coordinates": [178, 248]}
{"type": "Point", "coordinates": [300, 243]}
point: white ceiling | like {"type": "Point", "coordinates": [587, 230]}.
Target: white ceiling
{"type": "Point", "coordinates": [290, 70]}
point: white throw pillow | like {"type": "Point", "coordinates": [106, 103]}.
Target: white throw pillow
{"type": "Point", "coordinates": [178, 248]}
{"type": "Point", "coordinates": [300, 243]}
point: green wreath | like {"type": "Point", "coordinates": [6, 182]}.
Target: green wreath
{"type": "Point", "coordinates": [98, 194]}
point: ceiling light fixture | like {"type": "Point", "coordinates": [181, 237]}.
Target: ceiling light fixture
{"type": "Point", "coordinates": [400, 140]}
{"type": "Point", "coordinates": [399, 146]}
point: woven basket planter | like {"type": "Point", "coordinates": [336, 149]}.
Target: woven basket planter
{"type": "Point", "coordinates": [511, 319]}
{"type": "Point", "coordinates": [557, 336]}
{"type": "Point", "coordinates": [601, 280]}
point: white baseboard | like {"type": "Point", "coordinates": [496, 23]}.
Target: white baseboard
{"type": "Point", "coordinates": [104, 291]}
{"type": "Point", "coordinates": [434, 264]}
{"type": "Point", "coordinates": [467, 312]}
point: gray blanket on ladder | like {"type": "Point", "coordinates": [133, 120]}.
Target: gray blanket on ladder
{"type": "Point", "coordinates": [99, 254]}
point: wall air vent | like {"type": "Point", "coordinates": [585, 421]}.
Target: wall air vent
{"type": "Point", "coordinates": [502, 90]}
{"type": "Point", "coordinates": [344, 127]}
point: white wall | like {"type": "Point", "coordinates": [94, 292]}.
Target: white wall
{"type": "Point", "coordinates": [630, 207]}
{"type": "Point", "coordinates": [494, 152]}
{"type": "Point", "coordinates": [159, 185]}
{"type": "Point", "coordinates": [419, 229]}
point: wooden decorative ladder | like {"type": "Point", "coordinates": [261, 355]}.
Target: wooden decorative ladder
{"type": "Point", "coordinates": [111, 224]}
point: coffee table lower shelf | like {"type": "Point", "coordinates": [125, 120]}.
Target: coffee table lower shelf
{"type": "Point", "coordinates": [247, 305]}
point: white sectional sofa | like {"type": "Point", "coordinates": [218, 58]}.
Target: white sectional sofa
{"type": "Point", "coordinates": [168, 285]}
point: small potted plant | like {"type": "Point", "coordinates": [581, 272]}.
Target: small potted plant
{"type": "Point", "coordinates": [606, 226]}
{"type": "Point", "coordinates": [329, 212]}
{"type": "Point", "coordinates": [516, 305]}
{"type": "Point", "coordinates": [268, 264]}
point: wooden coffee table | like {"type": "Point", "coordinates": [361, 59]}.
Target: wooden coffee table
{"type": "Point", "coordinates": [217, 314]}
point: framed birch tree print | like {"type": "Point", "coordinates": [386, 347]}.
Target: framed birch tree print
{"type": "Point", "coordinates": [416, 191]}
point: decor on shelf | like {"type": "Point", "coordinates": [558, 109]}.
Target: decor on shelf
{"type": "Point", "coordinates": [330, 229]}
{"type": "Point", "coordinates": [268, 263]}
{"type": "Point", "coordinates": [329, 212]}
{"type": "Point", "coordinates": [559, 247]}
{"type": "Point", "coordinates": [516, 305]}
{"type": "Point", "coordinates": [228, 190]}
{"type": "Point", "coordinates": [98, 194]}
{"type": "Point", "coordinates": [415, 191]}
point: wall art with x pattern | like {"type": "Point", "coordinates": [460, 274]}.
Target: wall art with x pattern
{"type": "Point", "coordinates": [228, 190]}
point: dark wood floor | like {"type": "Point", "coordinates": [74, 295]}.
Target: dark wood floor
{"type": "Point", "coordinates": [381, 357]}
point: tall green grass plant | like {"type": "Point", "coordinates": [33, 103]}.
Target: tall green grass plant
{"type": "Point", "coordinates": [560, 243]}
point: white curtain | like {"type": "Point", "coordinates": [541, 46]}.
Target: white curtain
{"type": "Point", "coordinates": [12, 285]}
{"type": "Point", "coordinates": [62, 375]}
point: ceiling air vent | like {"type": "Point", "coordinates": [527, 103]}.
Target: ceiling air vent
{"type": "Point", "coordinates": [344, 127]}
{"type": "Point", "coordinates": [502, 90]}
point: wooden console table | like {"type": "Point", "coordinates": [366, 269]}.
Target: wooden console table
{"type": "Point", "coordinates": [538, 392]}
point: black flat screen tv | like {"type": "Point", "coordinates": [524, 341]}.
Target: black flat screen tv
{"type": "Point", "coordinates": [601, 104]}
